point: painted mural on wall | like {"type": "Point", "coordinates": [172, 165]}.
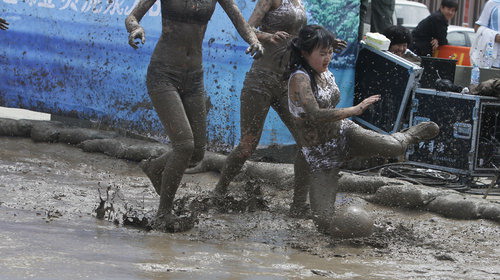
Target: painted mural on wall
{"type": "Point", "coordinates": [71, 58]}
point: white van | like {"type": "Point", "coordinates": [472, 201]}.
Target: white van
{"type": "Point", "coordinates": [406, 13]}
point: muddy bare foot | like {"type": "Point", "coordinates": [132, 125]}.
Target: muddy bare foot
{"type": "Point", "coordinates": [153, 169]}
{"type": "Point", "coordinates": [168, 222]}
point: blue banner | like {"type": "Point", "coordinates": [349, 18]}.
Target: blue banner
{"type": "Point", "coordinates": [72, 58]}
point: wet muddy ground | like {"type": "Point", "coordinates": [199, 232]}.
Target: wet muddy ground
{"type": "Point", "coordinates": [48, 230]}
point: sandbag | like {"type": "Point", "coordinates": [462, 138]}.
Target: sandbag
{"type": "Point", "coordinates": [19, 128]}
{"type": "Point", "coordinates": [455, 206]}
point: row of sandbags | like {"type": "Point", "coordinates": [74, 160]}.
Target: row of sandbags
{"type": "Point", "coordinates": [381, 190]}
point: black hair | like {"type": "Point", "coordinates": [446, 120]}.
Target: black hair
{"type": "Point", "coordinates": [398, 34]}
{"type": "Point", "coordinates": [450, 4]}
{"type": "Point", "coordinates": [310, 37]}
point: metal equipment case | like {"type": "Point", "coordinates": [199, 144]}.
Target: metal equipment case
{"type": "Point", "coordinates": [469, 138]}
{"type": "Point", "coordinates": [394, 78]}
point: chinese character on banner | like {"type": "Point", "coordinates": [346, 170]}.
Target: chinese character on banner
{"type": "Point", "coordinates": [31, 2]}
{"type": "Point", "coordinates": [69, 4]}
{"type": "Point", "coordinates": [114, 6]}
{"type": "Point", "coordinates": [46, 4]}
{"type": "Point", "coordinates": [128, 9]}
{"type": "Point", "coordinates": [95, 5]}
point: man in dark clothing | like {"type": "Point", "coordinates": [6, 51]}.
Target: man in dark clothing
{"type": "Point", "coordinates": [431, 32]}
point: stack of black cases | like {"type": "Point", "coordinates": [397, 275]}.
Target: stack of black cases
{"type": "Point", "coordinates": [469, 138]}
{"type": "Point", "coordinates": [394, 78]}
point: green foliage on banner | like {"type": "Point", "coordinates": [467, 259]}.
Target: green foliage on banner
{"type": "Point", "coordinates": [339, 16]}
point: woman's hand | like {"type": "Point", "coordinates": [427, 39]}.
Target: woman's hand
{"type": "Point", "coordinates": [137, 33]}
{"type": "Point", "coordinates": [255, 50]}
{"type": "Point", "coordinates": [278, 37]}
{"type": "Point", "coordinates": [339, 45]}
{"type": "Point", "coordinates": [361, 107]}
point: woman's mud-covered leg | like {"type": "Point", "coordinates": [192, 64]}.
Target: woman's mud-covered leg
{"type": "Point", "coordinates": [171, 112]}
{"type": "Point", "coordinates": [255, 105]}
{"type": "Point", "coordinates": [346, 222]}
{"type": "Point", "coordinates": [367, 143]}
{"type": "Point", "coordinates": [323, 186]}
{"type": "Point", "coordinates": [194, 104]}
{"type": "Point", "coordinates": [299, 207]}
{"type": "Point", "coordinates": [195, 107]}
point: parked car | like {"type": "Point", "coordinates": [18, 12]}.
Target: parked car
{"type": "Point", "coordinates": [406, 13]}
{"type": "Point", "coordinates": [460, 40]}
{"type": "Point", "coordinates": [460, 36]}
{"type": "Point", "coordinates": [409, 14]}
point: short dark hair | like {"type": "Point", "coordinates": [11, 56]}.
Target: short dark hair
{"type": "Point", "coordinates": [450, 4]}
{"type": "Point", "coordinates": [398, 34]}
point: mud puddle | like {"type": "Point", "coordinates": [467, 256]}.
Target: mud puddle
{"type": "Point", "coordinates": [48, 230]}
{"type": "Point", "coordinates": [35, 249]}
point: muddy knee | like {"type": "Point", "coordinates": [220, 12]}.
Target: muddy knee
{"type": "Point", "coordinates": [183, 150]}
{"type": "Point", "coordinates": [245, 150]}
{"type": "Point", "coordinates": [351, 222]}
{"type": "Point", "coordinates": [394, 148]}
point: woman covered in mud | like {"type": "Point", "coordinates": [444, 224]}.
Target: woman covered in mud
{"type": "Point", "coordinates": [328, 138]}
{"type": "Point", "coordinates": [175, 86]}
{"type": "Point", "coordinates": [278, 21]}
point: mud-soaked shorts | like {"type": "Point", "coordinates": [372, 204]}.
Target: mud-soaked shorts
{"type": "Point", "coordinates": [261, 81]}
{"type": "Point", "coordinates": [163, 77]}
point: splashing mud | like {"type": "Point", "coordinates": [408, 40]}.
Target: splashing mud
{"type": "Point", "coordinates": [49, 230]}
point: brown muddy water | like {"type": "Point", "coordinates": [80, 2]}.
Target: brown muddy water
{"type": "Point", "coordinates": [48, 230]}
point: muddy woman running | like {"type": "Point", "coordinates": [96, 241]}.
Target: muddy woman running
{"type": "Point", "coordinates": [277, 21]}
{"type": "Point", "coordinates": [175, 86]}
{"type": "Point", "coordinates": [328, 138]}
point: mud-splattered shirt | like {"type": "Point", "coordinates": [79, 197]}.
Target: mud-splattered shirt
{"type": "Point", "coordinates": [288, 17]}
{"type": "Point", "coordinates": [328, 154]}
{"type": "Point", "coordinates": [327, 95]}
{"type": "Point", "coordinates": [188, 11]}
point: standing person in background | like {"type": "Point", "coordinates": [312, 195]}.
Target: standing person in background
{"type": "Point", "coordinates": [4, 24]}
{"type": "Point", "coordinates": [487, 28]}
{"type": "Point", "coordinates": [381, 15]}
{"type": "Point", "coordinates": [431, 32]}
{"type": "Point", "coordinates": [382, 11]}
{"type": "Point", "coordinates": [175, 85]}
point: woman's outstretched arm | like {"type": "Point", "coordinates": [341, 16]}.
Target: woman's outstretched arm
{"type": "Point", "coordinates": [302, 95]}
{"type": "Point", "coordinates": [134, 29]}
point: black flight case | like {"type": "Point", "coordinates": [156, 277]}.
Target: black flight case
{"type": "Point", "coordinates": [394, 78]}
{"type": "Point", "coordinates": [469, 138]}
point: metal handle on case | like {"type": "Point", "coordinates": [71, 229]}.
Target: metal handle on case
{"type": "Point", "coordinates": [414, 105]}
